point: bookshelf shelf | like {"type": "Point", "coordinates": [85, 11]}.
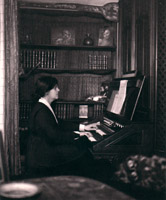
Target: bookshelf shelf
{"type": "Point", "coordinates": [84, 48]}
{"type": "Point", "coordinates": [79, 102]}
{"type": "Point", "coordinates": [76, 71]}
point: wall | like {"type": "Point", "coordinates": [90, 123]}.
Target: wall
{"type": "Point", "coordinates": [2, 65]}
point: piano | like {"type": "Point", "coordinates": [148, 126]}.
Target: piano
{"type": "Point", "coordinates": [124, 128]}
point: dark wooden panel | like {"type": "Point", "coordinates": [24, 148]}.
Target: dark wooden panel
{"type": "Point", "coordinates": [160, 143]}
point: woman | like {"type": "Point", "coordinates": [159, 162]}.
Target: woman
{"type": "Point", "coordinates": [106, 39]}
{"type": "Point", "coordinates": [51, 141]}
{"type": "Point", "coordinates": [66, 38]}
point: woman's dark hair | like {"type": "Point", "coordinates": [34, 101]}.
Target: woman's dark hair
{"type": "Point", "coordinates": [45, 84]}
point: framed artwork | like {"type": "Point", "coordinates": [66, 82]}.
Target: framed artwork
{"type": "Point", "coordinates": [83, 111]}
{"type": "Point", "coordinates": [105, 37]}
{"type": "Point", "coordinates": [62, 36]}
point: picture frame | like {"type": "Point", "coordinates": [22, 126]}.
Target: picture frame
{"type": "Point", "coordinates": [106, 36]}
{"type": "Point", "coordinates": [63, 36]}
{"type": "Point", "coordinates": [83, 111]}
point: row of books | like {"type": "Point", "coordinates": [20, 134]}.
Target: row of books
{"type": "Point", "coordinates": [63, 110]}
{"type": "Point", "coordinates": [24, 110]}
{"type": "Point", "coordinates": [98, 62]}
{"type": "Point", "coordinates": [29, 58]}
{"type": "Point", "coordinates": [69, 111]}
{"type": "Point", "coordinates": [65, 59]}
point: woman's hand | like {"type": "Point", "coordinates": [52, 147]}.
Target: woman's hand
{"type": "Point", "coordinates": [91, 127]}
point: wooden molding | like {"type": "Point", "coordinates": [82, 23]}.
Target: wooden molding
{"type": "Point", "coordinates": [110, 11]}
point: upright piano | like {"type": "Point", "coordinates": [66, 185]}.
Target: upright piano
{"type": "Point", "coordinates": [124, 128]}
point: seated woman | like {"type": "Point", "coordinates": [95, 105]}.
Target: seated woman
{"type": "Point", "coordinates": [51, 141]}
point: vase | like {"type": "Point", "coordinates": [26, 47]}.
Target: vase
{"type": "Point", "coordinates": [88, 41]}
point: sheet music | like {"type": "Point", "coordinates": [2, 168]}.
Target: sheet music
{"type": "Point", "coordinates": [119, 97]}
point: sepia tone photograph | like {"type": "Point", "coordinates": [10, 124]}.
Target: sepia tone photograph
{"type": "Point", "coordinates": [63, 36]}
{"type": "Point", "coordinates": [82, 120]}
{"type": "Point", "coordinates": [105, 37]}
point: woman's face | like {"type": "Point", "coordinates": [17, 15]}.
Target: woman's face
{"type": "Point", "coordinates": [66, 34]}
{"type": "Point", "coordinates": [53, 94]}
{"type": "Point", "coordinates": [106, 34]}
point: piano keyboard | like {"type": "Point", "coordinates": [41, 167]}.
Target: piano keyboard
{"type": "Point", "coordinates": [104, 130]}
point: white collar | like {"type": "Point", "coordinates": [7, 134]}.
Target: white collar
{"type": "Point", "coordinates": [45, 102]}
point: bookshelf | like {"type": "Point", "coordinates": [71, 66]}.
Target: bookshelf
{"type": "Point", "coordinates": [79, 58]}
{"type": "Point", "coordinates": [66, 110]}
{"type": "Point", "coordinates": [80, 69]}
{"type": "Point", "coordinates": [70, 110]}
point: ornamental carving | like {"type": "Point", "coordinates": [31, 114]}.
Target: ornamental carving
{"type": "Point", "coordinates": [109, 11]}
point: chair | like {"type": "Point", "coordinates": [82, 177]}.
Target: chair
{"type": "Point", "coordinates": [3, 171]}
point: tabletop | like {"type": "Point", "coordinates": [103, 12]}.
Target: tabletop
{"type": "Point", "coordinates": [76, 188]}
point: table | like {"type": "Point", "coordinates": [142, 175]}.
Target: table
{"type": "Point", "coordinates": [76, 188]}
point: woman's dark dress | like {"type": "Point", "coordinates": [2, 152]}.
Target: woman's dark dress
{"type": "Point", "coordinates": [50, 143]}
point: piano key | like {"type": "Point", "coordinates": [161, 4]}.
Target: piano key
{"type": "Point", "coordinates": [100, 132]}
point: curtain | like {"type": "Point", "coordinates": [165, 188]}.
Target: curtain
{"type": "Point", "coordinates": [12, 146]}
